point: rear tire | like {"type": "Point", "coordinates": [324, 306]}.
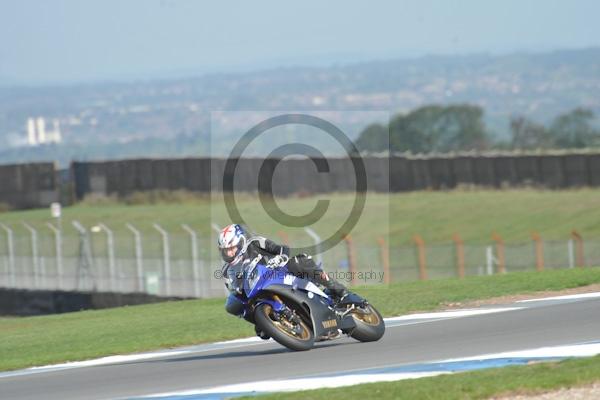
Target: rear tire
{"type": "Point", "coordinates": [281, 332]}
{"type": "Point", "coordinates": [370, 326]}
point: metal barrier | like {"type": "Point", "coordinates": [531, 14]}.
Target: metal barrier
{"type": "Point", "coordinates": [180, 263]}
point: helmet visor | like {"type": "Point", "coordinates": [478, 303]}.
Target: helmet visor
{"type": "Point", "coordinates": [229, 253]}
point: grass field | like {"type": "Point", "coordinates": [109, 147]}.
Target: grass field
{"type": "Point", "coordinates": [88, 334]}
{"type": "Point", "coordinates": [436, 216]}
{"type": "Point", "coordinates": [514, 214]}
{"type": "Point", "coordinates": [530, 379]}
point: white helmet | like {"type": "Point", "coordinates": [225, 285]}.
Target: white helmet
{"type": "Point", "coordinates": [232, 242]}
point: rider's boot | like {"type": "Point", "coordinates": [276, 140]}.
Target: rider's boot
{"type": "Point", "coordinates": [336, 289]}
{"type": "Point", "coordinates": [339, 293]}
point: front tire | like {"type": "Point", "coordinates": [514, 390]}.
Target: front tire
{"type": "Point", "coordinates": [294, 336]}
{"type": "Point", "coordinates": [370, 326]}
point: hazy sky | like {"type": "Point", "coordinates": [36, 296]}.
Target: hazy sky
{"type": "Point", "coordinates": [65, 41]}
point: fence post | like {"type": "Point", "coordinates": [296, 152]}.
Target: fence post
{"type": "Point", "coordinates": [539, 251]}
{"type": "Point", "coordinates": [489, 260]}
{"type": "Point", "coordinates": [194, 249]}
{"type": "Point", "coordinates": [500, 253]}
{"type": "Point", "coordinates": [34, 254]}
{"type": "Point", "coordinates": [385, 260]}
{"type": "Point", "coordinates": [84, 267]}
{"type": "Point", "coordinates": [110, 248]}
{"type": "Point", "coordinates": [571, 253]}
{"type": "Point", "coordinates": [11, 254]}
{"type": "Point", "coordinates": [58, 253]}
{"type": "Point", "coordinates": [166, 258]}
{"type": "Point", "coordinates": [578, 248]}
{"type": "Point", "coordinates": [317, 240]}
{"type": "Point", "coordinates": [351, 257]}
{"type": "Point", "coordinates": [137, 237]}
{"type": "Point", "coordinates": [422, 260]}
{"type": "Point", "coordinates": [460, 255]}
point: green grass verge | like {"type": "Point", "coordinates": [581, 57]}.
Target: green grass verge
{"type": "Point", "coordinates": [482, 384]}
{"type": "Point", "coordinates": [514, 214]}
{"type": "Point", "coordinates": [88, 334]}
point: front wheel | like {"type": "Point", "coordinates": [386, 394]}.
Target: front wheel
{"type": "Point", "coordinates": [370, 326]}
{"type": "Point", "coordinates": [292, 333]}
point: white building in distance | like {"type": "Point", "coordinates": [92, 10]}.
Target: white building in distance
{"type": "Point", "coordinates": [38, 134]}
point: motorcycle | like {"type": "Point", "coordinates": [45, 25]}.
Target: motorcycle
{"type": "Point", "coordinates": [296, 313]}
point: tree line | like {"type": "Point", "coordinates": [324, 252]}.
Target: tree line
{"type": "Point", "coordinates": [437, 128]}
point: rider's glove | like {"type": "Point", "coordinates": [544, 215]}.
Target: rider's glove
{"type": "Point", "coordinates": [274, 262]}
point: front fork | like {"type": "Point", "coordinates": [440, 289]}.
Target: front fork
{"type": "Point", "coordinates": [280, 309]}
{"type": "Point", "coordinates": [275, 303]}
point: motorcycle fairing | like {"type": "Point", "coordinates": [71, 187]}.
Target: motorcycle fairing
{"type": "Point", "coordinates": [324, 320]}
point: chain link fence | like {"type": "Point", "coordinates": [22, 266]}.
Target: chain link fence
{"type": "Point", "coordinates": [182, 264]}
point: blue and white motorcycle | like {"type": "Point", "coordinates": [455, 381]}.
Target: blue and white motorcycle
{"type": "Point", "coordinates": [296, 313]}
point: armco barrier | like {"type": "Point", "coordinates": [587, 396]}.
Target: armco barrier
{"type": "Point", "coordinates": [20, 302]}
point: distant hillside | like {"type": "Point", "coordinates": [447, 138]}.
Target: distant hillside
{"type": "Point", "coordinates": [539, 86]}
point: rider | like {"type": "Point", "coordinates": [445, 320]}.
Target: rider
{"type": "Point", "coordinates": [237, 246]}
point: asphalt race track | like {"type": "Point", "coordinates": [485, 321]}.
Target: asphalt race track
{"type": "Point", "coordinates": [408, 340]}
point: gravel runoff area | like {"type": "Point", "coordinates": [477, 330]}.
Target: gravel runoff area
{"type": "Point", "coordinates": [578, 393]}
{"type": "Point", "coordinates": [518, 297]}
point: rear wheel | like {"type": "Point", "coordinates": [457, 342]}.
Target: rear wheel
{"type": "Point", "coordinates": [290, 331]}
{"type": "Point", "coordinates": [370, 326]}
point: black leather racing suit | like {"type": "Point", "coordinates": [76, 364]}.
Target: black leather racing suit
{"type": "Point", "coordinates": [300, 265]}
